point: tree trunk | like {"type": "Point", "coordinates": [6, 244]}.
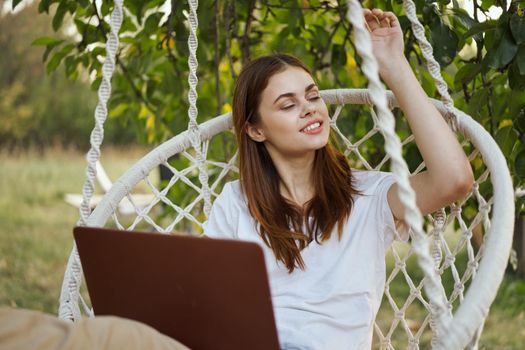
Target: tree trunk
{"type": "Point", "coordinates": [519, 244]}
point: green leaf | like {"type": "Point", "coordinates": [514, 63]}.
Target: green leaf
{"type": "Point", "coordinates": [71, 67]}
{"type": "Point", "coordinates": [87, 3]}
{"type": "Point", "coordinates": [516, 80]}
{"type": "Point", "coordinates": [519, 121]}
{"type": "Point", "coordinates": [476, 103]}
{"type": "Point", "coordinates": [519, 165]}
{"type": "Point", "coordinates": [46, 41]}
{"type": "Point", "coordinates": [502, 52]}
{"type": "Point", "coordinates": [480, 28]}
{"type": "Point", "coordinates": [445, 43]}
{"type": "Point", "coordinates": [517, 27]}
{"type": "Point", "coordinates": [59, 15]}
{"type": "Point", "coordinates": [96, 83]}
{"type": "Point", "coordinates": [136, 7]}
{"type": "Point", "coordinates": [466, 21]}
{"type": "Point", "coordinates": [486, 4]}
{"type": "Point", "coordinates": [51, 44]}
{"type": "Point", "coordinates": [516, 103]}
{"type": "Point", "coordinates": [320, 35]}
{"type": "Point", "coordinates": [47, 52]}
{"type": "Point", "coordinates": [464, 18]}
{"type": "Point", "coordinates": [105, 8]}
{"type": "Point", "coordinates": [152, 23]}
{"type": "Point", "coordinates": [43, 6]}
{"type": "Point", "coordinates": [58, 57]}
{"type": "Point", "coordinates": [80, 25]}
{"type": "Point", "coordinates": [506, 138]}
{"type": "Point", "coordinates": [466, 73]}
{"type": "Point", "coordinates": [338, 57]}
{"type": "Point", "coordinates": [91, 34]}
{"type": "Point", "coordinates": [118, 110]}
{"type": "Point", "coordinates": [520, 59]}
{"type": "Point", "coordinates": [413, 157]}
{"type": "Point", "coordinates": [128, 25]}
{"type": "Point", "coordinates": [15, 2]}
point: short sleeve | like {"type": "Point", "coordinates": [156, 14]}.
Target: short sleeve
{"type": "Point", "coordinates": [393, 229]}
{"type": "Point", "coordinates": [221, 222]}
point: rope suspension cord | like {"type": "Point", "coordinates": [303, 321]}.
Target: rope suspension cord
{"type": "Point", "coordinates": [461, 319]}
{"type": "Point", "coordinates": [69, 294]}
{"type": "Point", "coordinates": [413, 218]}
{"type": "Point", "coordinates": [193, 126]}
{"type": "Point", "coordinates": [435, 71]}
{"type": "Point", "coordinates": [432, 65]}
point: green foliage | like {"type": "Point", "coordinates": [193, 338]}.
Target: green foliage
{"type": "Point", "coordinates": [483, 60]}
{"type": "Point", "coordinates": [39, 110]}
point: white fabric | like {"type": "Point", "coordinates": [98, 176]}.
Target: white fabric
{"type": "Point", "coordinates": [331, 304]}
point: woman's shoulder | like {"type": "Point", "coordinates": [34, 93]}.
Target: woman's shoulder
{"type": "Point", "coordinates": [369, 181]}
{"type": "Point", "coordinates": [232, 191]}
{"type": "Point", "coordinates": [231, 188]}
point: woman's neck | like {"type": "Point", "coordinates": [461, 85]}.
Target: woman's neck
{"type": "Point", "coordinates": [296, 177]}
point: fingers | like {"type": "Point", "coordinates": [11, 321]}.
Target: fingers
{"type": "Point", "coordinates": [371, 20]}
{"type": "Point", "coordinates": [376, 18]}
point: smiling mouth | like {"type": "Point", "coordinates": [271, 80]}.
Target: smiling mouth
{"type": "Point", "coordinates": [312, 127]}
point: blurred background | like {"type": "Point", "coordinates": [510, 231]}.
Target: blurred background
{"type": "Point", "coordinates": [51, 54]}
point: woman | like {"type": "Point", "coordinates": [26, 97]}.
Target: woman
{"type": "Point", "coordinates": [325, 228]}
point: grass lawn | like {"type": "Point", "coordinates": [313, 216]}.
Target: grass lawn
{"type": "Point", "coordinates": [35, 239]}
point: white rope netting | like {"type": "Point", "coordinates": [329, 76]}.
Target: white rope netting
{"type": "Point", "coordinates": [69, 295]}
{"type": "Point", "coordinates": [410, 314]}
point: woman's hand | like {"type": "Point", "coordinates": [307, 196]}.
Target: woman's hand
{"type": "Point", "coordinates": [387, 39]}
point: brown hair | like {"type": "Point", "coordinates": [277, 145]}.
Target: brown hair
{"type": "Point", "coordinates": [259, 179]}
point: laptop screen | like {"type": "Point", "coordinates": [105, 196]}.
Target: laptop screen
{"type": "Point", "coordinates": [205, 293]}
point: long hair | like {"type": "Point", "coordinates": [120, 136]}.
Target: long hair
{"type": "Point", "coordinates": [284, 226]}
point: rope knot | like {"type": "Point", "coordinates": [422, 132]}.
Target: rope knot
{"type": "Point", "coordinates": [450, 259]}
{"type": "Point", "coordinates": [459, 287]}
{"type": "Point", "coordinates": [473, 265]}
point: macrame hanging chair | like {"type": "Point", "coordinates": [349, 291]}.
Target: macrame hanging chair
{"type": "Point", "coordinates": [454, 318]}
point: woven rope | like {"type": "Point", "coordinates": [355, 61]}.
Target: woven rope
{"type": "Point", "coordinates": [434, 288]}
{"type": "Point", "coordinates": [68, 309]}
{"type": "Point", "coordinates": [432, 65]}
{"type": "Point", "coordinates": [193, 125]}
{"type": "Point", "coordinates": [435, 71]}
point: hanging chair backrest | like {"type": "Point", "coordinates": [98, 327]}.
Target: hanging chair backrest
{"type": "Point", "coordinates": [402, 320]}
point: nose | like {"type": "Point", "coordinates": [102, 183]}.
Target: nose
{"type": "Point", "coordinates": [308, 109]}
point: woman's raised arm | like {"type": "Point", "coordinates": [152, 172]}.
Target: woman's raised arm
{"type": "Point", "coordinates": [448, 176]}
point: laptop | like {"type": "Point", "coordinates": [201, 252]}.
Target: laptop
{"type": "Point", "coordinates": [205, 293]}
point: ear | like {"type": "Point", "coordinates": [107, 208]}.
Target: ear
{"type": "Point", "coordinates": [255, 133]}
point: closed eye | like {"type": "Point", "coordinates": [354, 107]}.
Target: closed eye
{"type": "Point", "coordinates": [313, 98]}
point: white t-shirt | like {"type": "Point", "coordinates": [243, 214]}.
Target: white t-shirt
{"type": "Point", "coordinates": [332, 303]}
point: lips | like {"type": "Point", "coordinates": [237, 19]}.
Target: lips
{"type": "Point", "coordinates": [311, 123]}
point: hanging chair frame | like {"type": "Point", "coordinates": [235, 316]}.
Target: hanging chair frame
{"type": "Point", "coordinates": [497, 246]}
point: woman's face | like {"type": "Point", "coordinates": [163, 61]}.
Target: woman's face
{"type": "Point", "coordinates": [294, 119]}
